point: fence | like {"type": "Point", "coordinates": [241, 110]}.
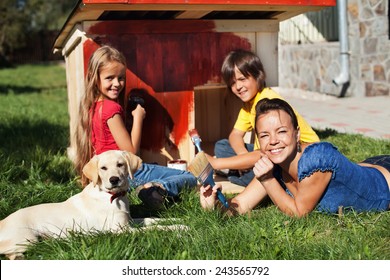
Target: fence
{"type": "Point", "coordinates": [38, 49]}
{"type": "Point", "coordinates": [311, 27]}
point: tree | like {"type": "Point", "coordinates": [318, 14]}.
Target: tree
{"type": "Point", "coordinates": [20, 19]}
{"type": "Point", "coordinates": [48, 14]}
{"type": "Point", "coordinates": [13, 27]}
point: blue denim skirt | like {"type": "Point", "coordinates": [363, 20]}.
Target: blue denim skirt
{"type": "Point", "coordinates": [382, 160]}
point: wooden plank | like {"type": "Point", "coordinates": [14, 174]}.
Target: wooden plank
{"type": "Point", "coordinates": [74, 62]}
{"type": "Point", "coordinates": [217, 2]}
{"type": "Point", "coordinates": [93, 9]}
{"type": "Point", "coordinates": [215, 112]}
{"type": "Point", "coordinates": [266, 49]}
{"type": "Point", "coordinates": [227, 186]}
{"type": "Point", "coordinates": [198, 7]}
{"type": "Point", "coordinates": [150, 64]}
{"type": "Point", "coordinates": [248, 25]}
{"type": "Point", "coordinates": [208, 109]}
{"type": "Point", "coordinates": [192, 14]}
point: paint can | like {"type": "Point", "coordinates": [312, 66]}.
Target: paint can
{"type": "Point", "coordinates": [179, 164]}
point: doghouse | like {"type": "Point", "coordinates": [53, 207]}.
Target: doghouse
{"type": "Point", "coordinates": [174, 51]}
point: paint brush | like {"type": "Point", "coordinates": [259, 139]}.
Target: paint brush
{"type": "Point", "coordinates": [195, 138]}
{"type": "Point", "coordinates": [201, 167]}
{"type": "Point", "coordinates": [203, 171]}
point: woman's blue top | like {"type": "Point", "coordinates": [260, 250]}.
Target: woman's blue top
{"type": "Point", "coordinates": [351, 186]}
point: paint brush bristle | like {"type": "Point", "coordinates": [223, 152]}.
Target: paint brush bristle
{"type": "Point", "coordinates": [199, 164]}
{"type": "Point", "coordinates": [195, 138]}
{"type": "Point", "coordinates": [193, 132]}
{"type": "Point", "coordinates": [203, 171]}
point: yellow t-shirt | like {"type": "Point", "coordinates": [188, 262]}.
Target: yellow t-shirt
{"type": "Point", "coordinates": [246, 118]}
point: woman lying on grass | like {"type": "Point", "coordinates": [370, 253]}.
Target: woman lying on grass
{"type": "Point", "coordinates": [302, 177]}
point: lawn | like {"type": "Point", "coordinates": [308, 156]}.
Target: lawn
{"type": "Point", "coordinates": [34, 135]}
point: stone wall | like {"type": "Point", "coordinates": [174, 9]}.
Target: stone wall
{"type": "Point", "coordinates": [312, 67]}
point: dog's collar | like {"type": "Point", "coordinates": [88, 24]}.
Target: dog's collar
{"type": "Point", "coordinates": [116, 195]}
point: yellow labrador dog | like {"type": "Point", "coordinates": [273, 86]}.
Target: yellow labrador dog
{"type": "Point", "coordinates": [101, 206]}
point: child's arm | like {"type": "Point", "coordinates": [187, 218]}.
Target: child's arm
{"type": "Point", "coordinates": [120, 134]}
{"type": "Point", "coordinates": [240, 162]}
{"type": "Point", "coordinates": [136, 130]}
{"type": "Point", "coordinates": [236, 140]}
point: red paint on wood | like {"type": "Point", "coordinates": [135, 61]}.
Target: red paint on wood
{"type": "Point", "coordinates": [179, 105]}
{"type": "Point", "coordinates": [89, 47]}
{"type": "Point", "coordinates": [167, 67]}
{"type": "Point", "coordinates": [118, 27]}
{"type": "Point", "coordinates": [167, 113]}
{"type": "Point", "coordinates": [170, 61]}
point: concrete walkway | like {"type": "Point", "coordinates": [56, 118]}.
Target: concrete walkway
{"type": "Point", "coordinates": [369, 116]}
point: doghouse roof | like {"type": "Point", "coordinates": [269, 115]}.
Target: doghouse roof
{"type": "Point", "coordinates": [101, 10]}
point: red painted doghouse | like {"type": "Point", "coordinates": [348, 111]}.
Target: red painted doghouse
{"type": "Point", "coordinates": [174, 51]}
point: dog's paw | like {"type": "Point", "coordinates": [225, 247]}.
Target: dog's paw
{"type": "Point", "coordinates": [16, 256]}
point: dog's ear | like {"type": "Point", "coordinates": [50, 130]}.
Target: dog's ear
{"type": "Point", "coordinates": [133, 162]}
{"type": "Point", "coordinates": [90, 170]}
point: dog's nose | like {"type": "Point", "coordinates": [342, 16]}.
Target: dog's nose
{"type": "Point", "coordinates": [114, 180]}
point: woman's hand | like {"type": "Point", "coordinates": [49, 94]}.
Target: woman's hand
{"type": "Point", "coordinates": [208, 196]}
{"type": "Point", "coordinates": [263, 169]}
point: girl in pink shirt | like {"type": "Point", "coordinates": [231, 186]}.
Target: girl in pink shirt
{"type": "Point", "coordinates": [102, 127]}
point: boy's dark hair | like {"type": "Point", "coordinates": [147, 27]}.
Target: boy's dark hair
{"type": "Point", "coordinates": [248, 63]}
{"type": "Point", "coordinates": [266, 105]}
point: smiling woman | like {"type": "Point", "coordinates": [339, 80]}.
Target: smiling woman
{"type": "Point", "coordinates": [276, 135]}
{"type": "Point", "coordinates": [301, 177]}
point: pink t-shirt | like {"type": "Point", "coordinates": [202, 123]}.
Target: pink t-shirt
{"type": "Point", "coordinates": [102, 139]}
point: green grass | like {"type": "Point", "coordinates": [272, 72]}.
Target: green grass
{"type": "Point", "coordinates": [34, 169]}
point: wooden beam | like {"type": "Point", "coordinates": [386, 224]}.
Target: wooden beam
{"type": "Point", "coordinates": [89, 10]}
{"type": "Point", "coordinates": [175, 7]}
{"type": "Point", "coordinates": [218, 2]}
{"type": "Point", "coordinates": [192, 14]}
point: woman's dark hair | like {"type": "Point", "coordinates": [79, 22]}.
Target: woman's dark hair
{"type": "Point", "coordinates": [266, 105]}
{"type": "Point", "coordinates": [248, 63]}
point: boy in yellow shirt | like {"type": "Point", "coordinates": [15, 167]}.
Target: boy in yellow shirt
{"type": "Point", "coordinates": [244, 75]}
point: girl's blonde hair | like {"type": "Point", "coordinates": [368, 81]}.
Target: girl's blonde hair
{"type": "Point", "coordinates": [99, 59]}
